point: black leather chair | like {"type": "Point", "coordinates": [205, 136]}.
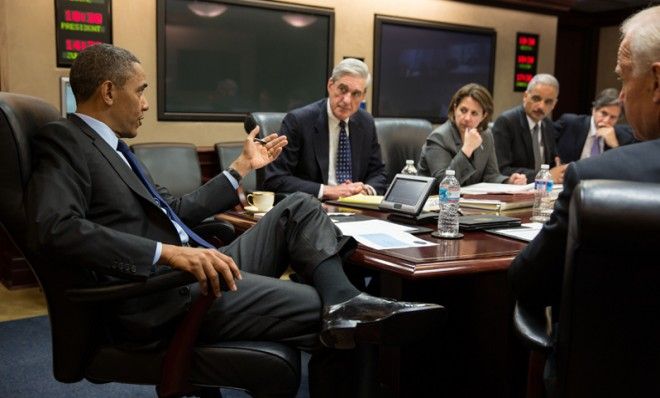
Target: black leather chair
{"type": "Point", "coordinates": [175, 165]}
{"type": "Point", "coordinates": [177, 367]}
{"type": "Point", "coordinates": [608, 338]}
{"type": "Point", "coordinates": [268, 122]}
{"type": "Point", "coordinates": [400, 140]}
{"type": "Point", "coordinates": [227, 152]}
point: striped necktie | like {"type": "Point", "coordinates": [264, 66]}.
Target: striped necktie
{"type": "Point", "coordinates": [536, 147]}
{"type": "Point", "coordinates": [137, 169]}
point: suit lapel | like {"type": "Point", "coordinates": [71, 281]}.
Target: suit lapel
{"type": "Point", "coordinates": [548, 142]}
{"type": "Point", "coordinates": [581, 135]}
{"type": "Point", "coordinates": [526, 135]}
{"type": "Point", "coordinates": [356, 138]}
{"type": "Point", "coordinates": [122, 169]}
{"type": "Point", "coordinates": [320, 141]}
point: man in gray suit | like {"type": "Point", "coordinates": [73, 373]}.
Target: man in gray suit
{"type": "Point", "coordinates": [95, 209]}
{"type": "Point", "coordinates": [525, 137]}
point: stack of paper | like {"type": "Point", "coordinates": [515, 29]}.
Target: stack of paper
{"type": "Point", "coordinates": [490, 196]}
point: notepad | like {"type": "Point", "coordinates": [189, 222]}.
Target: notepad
{"type": "Point", "coordinates": [360, 199]}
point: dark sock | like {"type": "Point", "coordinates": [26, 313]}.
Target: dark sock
{"type": "Point", "coordinates": [331, 282]}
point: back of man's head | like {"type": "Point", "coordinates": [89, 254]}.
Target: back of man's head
{"type": "Point", "coordinates": [642, 31]}
{"type": "Point", "coordinates": [99, 63]}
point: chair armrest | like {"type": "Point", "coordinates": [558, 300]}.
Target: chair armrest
{"type": "Point", "coordinates": [216, 232]}
{"type": "Point", "coordinates": [122, 291]}
{"type": "Point", "coordinates": [531, 327]}
{"type": "Point", "coordinates": [178, 357]}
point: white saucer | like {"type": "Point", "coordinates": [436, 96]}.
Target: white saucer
{"type": "Point", "coordinates": [253, 209]}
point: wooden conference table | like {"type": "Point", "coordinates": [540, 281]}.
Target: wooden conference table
{"type": "Point", "coordinates": [476, 354]}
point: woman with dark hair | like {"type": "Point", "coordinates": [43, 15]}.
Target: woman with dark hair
{"type": "Point", "coordinates": [464, 143]}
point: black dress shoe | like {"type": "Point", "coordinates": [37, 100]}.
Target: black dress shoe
{"type": "Point", "coordinates": [372, 319]}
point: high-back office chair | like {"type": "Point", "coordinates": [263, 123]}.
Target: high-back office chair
{"type": "Point", "coordinates": [262, 368]}
{"type": "Point", "coordinates": [173, 165]}
{"type": "Point", "coordinates": [400, 140]}
{"type": "Point", "coordinates": [609, 322]}
{"type": "Point", "coordinates": [268, 122]}
{"type": "Point", "coordinates": [227, 152]}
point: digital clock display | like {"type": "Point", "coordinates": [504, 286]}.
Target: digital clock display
{"type": "Point", "coordinates": [80, 24]}
{"type": "Point", "coordinates": [527, 48]}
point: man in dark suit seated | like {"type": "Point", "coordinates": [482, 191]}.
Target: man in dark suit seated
{"type": "Point", "coordinates": [536, 273]}
{"type": "Point", "coordinates": [525, 137]}
{"type": "Point", "coordinates": [95, 209]}
{"type": "Point", "coordinates": [333, 149]}
{"type": "Point", "coordinates": [583, 136]}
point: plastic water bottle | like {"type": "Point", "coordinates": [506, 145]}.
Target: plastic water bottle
{"type": "Point", "coordinates": [543, 201]}
{"type": "Point", "coordinates": [448, 195]}
{"type": "Point", "coordinates": [409, 168]}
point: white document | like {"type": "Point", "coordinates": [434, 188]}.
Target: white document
{"type": "Point", "coordinates": [382, 235]}
{"type": "Point", "coordinates": [490, 187]}
{"type": "Point", "coordinates": [526, 231]}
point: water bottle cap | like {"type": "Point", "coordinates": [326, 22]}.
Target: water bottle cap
{"type": "Point", "coordinates": [545, 167]}
{"type": "Point", "coordinates": [450, 172]}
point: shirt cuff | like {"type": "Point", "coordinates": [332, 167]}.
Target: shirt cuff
{"type": "Point", "coordinates": [159, 251]}
{"type": "Point", "coordinates": [231, 179]}
{"type": "Point", "coordinates": [320, 195]}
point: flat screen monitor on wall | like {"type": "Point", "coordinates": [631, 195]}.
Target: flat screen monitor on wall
{"type": "Point", "coordinates": [419, 65]}
{"type": "Point", "coordinates": [218, 60]}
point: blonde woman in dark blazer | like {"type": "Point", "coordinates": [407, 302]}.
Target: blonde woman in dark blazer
{"type": "Point", "coordinates": [464, 143]}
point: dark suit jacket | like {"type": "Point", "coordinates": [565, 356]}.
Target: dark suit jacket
{"type": "Point", "coordinates": [303, 165]}
{"type": "Point", "coordinates": [91, 210]}
{"type": "Point", "coordinates": [536, 273]}
{"type": "Point", "coordinates": [513, 143]}
{"type": "Point", "coordinates": [572, 131]}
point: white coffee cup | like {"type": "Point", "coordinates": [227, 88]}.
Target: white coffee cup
{"type": "Point", "coordinates": [262, 200]}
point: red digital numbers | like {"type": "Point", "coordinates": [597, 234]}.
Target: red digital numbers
{"type": "Point", "coordinates": [78, 45]}
{"type": "Point", "coordinates": [94, 18]}
{"type": "Point", "coordinates": [526, 59]}
{"type": "Point", "coordinates": [527, 41]}
{"type": "Point", "coordinates": [524, 77]}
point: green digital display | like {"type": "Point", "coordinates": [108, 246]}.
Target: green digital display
{"type": "Point", "coordinates": [80, 24]}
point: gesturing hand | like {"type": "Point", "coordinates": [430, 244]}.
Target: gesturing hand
{"type": "Point", "coordinates": [204, 264]}
{"type": "Point", "coordinates": [260, 155]}
{"type": "Point", "coordinates": [256, 155]}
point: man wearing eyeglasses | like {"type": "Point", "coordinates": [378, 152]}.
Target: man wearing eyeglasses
{"type": "Point", "coordinates": [525, 137]}
{"type": "Point", "coordinates": [333, 149]}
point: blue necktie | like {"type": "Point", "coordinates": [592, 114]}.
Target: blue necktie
{"type": "Point", "coordinates": [135, 165]}
{"type": "Point", "coordinates": [344, 168]}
